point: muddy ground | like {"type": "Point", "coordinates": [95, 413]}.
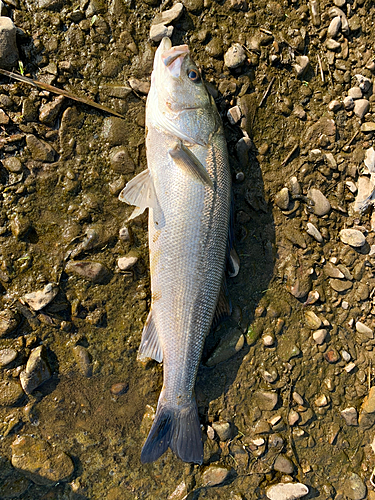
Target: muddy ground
{"type": "Point", "coordinates": [297, 394]}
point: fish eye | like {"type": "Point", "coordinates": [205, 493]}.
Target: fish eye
{"type": "Point", "coordinates": [193, 75]}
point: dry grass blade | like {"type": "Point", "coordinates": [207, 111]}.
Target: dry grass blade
{"type": "Point", "coordinates": [55, 90]}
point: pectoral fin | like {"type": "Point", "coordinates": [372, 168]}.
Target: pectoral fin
{"type": "Point", "coordinates": [140, 191]}
{"type": "Point", "coordinates": [150, 346]}
{"type": "Point", "coordinates": [188, 162]}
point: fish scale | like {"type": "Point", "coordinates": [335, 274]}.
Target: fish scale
{"type": "Point", "coordinates": [187, 188]}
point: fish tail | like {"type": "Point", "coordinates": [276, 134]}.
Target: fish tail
{"type": "Point", "coordinates": [178, 429]}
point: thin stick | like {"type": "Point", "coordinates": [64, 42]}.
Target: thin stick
{"type": "Point", "coordinates": [55, 90]}
{"type": "Point", "coordinates": [290, 155]}
{"type": "Point", "coordinates": [352, 139]}
{"type": "Point", "coordinates": [268, 89]}
{"type": "Point", "coordinates": [321, 68]}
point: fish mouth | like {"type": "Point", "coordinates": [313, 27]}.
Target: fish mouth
{"type": "Point", "coordinates": [173, 57]}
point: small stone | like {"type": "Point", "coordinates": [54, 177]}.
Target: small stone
{"type": "Point", "coordinates": [368, 405]}
{"type": "Point", "coordinates": [139, 86]}
{"type": "Point", "coordinates": [314, 232]}
{"type": "Point", "coordinates": [170, 15]}
{"type": "Point", "coordinates": [7, 356]}
{"type": "Point", "coordinates": [41, 463]}
{"type": "Point", "coordinates": [332, 356]}
{"type": "Point", "coordinates": [92, 271]}
{"type": "Point", "coordinates": [321, 204]}
{"type": "Point", "coordinates": [333, 45]}
{"type": "Point", "coordinates": [9, 321]}
{"type": "Point", "coordinates": [235, 56]}
{"type": "Point", "coordinates": [4, 118]}
{"type": "Point", "coordinates": [214, 475]}
{"type": "Point", "coordinates": [159, 31]}
{"type": "Point", "coordinates": [223, 430]}
{"type": "Point", "coordinates": [119, 388]}
{"type": "Point", "coordinates": [234, 115]}
{"type": "Point", "coordinates": [36, 372]}
{"type": "Point", "coordinates": [121, 161]}
{"type": "Point", "coordinates": [349, 367]}
{"type": "Point", "coordinates": [286, 491]}
{"type": "Point", "coordinates": [282, 199]}
{"type": "Point", "coordinates": [332, 271]}
{"type": "Point", "coordinates": [340, 285]}
{"type": "Point", "coordinates": [8, 46]}
{"type": "Point", "coordinates": [312, 320]}
{"type": "Point", "coordinates": [124, 234]}
{"type": "Point", "coordinates": [13, 164]}
{"type": "Point", "coordinates": [355, 93]}
{"type": "Point", "coordinates": [266, 400]}
{"type": "Point", "coordinates": [321, 401]}
{"type": "Point", "coordinates": [361, 107]}
{"type": "Point", "coordinates": [127, 262]}
{"type": "Point", "coordinates": [352, 237]}
{"type": "Point", "coordinates": [350, 415]}
{"type": "Point", "coordinates": [210, 432]}
{"type": "Point", "coordinates": [348, 103]}
{"type": "Point", "coordinates": [283, 464]}
{"type": "Point", "coordinates": [113, 130]}
{"type": "Point", "coordinates": [10, 392]}
{"type": "Point", "coordinates": [302, 63]}
{"type": "Point", "coordinates": [228, 347]}
{"type": "Point", "coordinates": [354, 487]}
{"type": "Point", "coordinates": [82, 359]}
{"type": "Point", "coordinates": [319, 336]}
{"type": "Point", "coordinates": [299, 112]}
{"type": "Point", "coordinates": [40, 150]}
{"type": "Point", "coordinates": [364, 330]}
{"type": "Point", "coordinates": [364, 82]}
{"type": "Point", "coordinates": [334, 105]}
{"type": "Point", "coordinates": [293, 417]}
{"type": "Point", "coordinates": [49, 112]}
{"type": "Point", "coordinates": [368, 127]}
{"type": "Point", "coordinates": [339, 3]}
{"type": "Point", "coordinates": [268, 340]}
{"type": "Point", "coordinates": [334, 27]}
{"type": "Point", "coordinates": [41, 298]}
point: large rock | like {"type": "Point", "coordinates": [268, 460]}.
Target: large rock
{"type": "Point", "coordinates": [38, 461]}
{"type": "Point", "coordinates": [8, 47]}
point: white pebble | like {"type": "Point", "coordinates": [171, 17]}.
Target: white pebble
{"type": "Point", "coordinates": [268, 340]}
{"type": "Point", "coordinates": [234, 115]}
{"type": "Point", "coordinates": [319, 336]}
{"type": "Point", "coordinates": [321, 401]}
{"type": "Point", "coordinates": [314, 232]}
{"type": "Point", "coordinates": [125, 263]}
{"type": "Point", "coordinates": [352, 237]}
{"type": "Point", "coordinates": [287, 491]}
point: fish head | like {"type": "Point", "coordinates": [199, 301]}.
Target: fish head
{"type": "Point", "coordinates": [178, 100]}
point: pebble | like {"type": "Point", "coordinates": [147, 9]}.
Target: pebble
{"type": "Point", "coordinates": [127, 262]}
{"type": "Point", "coordinates": [368, 127]}
{"type": "Point", "coordinates": [214, 475]}
{"type": "Point", "coordinates": [266, 400]}
{"type": "Point", "coordinates": [139, 86]}
{"type": "Point", "coordinates": [293, 417]}
{"type": "Point", "coordinates": [332, 356]}
{"type": "Point", "coordinates": [159, 31]}
{"type": "Point", "coordinates": [49, 111]}
{"type": "Point", "coordinates": [114, 131]}
{"type": "Point", "coordinates": [37, 370]}
{"type": "Point", "coordinates": [332, 271]}
{"type": "Point", "coordinates": [121, 161]}
{"type": "Point", "coordinates": [364, 194]}
{"type": "Point", "coordinates": [287, 491]}
{"type": "Point", "coordinates": [354, 487]}
{"type": "Point", "coordinates": [282, 199]}
{"type": "Point", "coordinates": [335, 11]}
{"type": "Point", "coordinates": [283, 464]}
{"type": "Point", "coordinates": [364, 330]}
{"type": "Point", "coordinates": [352, 237]}
{"type": "Point", "coordinates": [364, 83]}
{"type": "Point", "coordinates": [340, 285]}
{"type": "Point", "coordinates": [361, 107]}
{"type": "Point", "coordinates": [7, 356]}
{"type": "Point", "coordinates": [321, 205]}
{"type": "Point", "coordinates": [319, 336]}
{"type": "Point", "coordinates": [268, 340]}
{"type": "Point", "coordinates": [12, 164]}
{"type": "Point", "coordinates": [41, 298]}
{"type": "Point", "coordinates": [368, 405]}
{"type": "Point", "coordinates": [8, 46]}
{"type": "Point", "coordinates": [124, 234]}
{"type": "Point", "coordinates": [348, 103]}
{"type": "Point", "coordinates": [349, 367]}
{"type": "Point", "coordinates": [228, 347]}
{"type": "Point", "coordinates": [223, 430]}
{"type": "Point", "coordinates": [334, 27]}
{"type": "Point", "coordinates": [334, 105]}
{"type": "Point", "coordinates": [40, 462]}
{"type": "Point", "coordinates": [82, 359]}
{"type": "Point", "coordinates": [369, 160]}
{"type": "Point", "coordinates": [333, 45]}
{"type": "Point", "coordinates": [350, 415]}
{"type": "Point", "coordinates": [299, 112]}
{"type": "Point", "coordinates": [312, 321]}
{"type": "Point", "coordinates": [234, 115]}
{"type": "Point", "coordinates": [119, 388]}
{"type": "Point", "coordinates": [40, 150]}
{"type": "Point", "coordinates": [9, 321]}
{"type": "Point", "coordinates": [355, 93]}
{"type": "Point", "coordinates": [302, 63]}
{"type": "Point", "coordinates": [314, 232]}
{"type": "Point", "coordinates": [170, 15]}
{"type": "Point", "coordinates": [10, 392]}
{"type": "Point", "coordinates": [321, 401]}
{"type": "Point", "coordinates": [235, 56]}
{"type": "Point", "coordinates": [92, 271]}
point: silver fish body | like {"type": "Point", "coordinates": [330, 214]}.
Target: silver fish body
{"type": "Point", "coordinates": [187, 187]}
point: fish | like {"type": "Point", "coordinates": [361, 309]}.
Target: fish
{"type": "Point", "coordinates": [187, 189]}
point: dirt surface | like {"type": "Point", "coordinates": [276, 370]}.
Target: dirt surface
{"type": "Point", "coordinates": [294, 403]}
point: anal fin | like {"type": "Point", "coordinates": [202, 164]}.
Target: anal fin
{"type": "Point", "coordinates": [150, 345]}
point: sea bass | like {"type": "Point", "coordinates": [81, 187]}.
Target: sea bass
{"type": "Point", "coordinates": [187, 188]}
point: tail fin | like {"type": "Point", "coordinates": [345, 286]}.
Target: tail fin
{"type": "Point", "coordinates": [178, 429]}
